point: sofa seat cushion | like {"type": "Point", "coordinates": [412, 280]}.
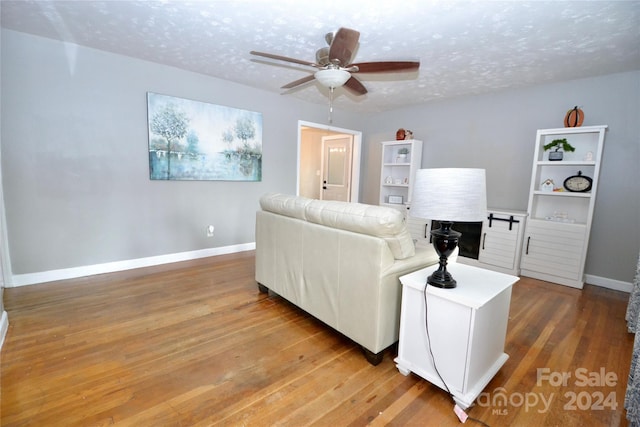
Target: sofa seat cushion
{"type": "Point", "coordinates": [377, 221]}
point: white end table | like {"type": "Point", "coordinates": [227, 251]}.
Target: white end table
{"type": "Point", "coordinates": [467, 329]}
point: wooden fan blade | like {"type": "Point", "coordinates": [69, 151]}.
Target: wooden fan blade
{"type": "Point", "coordinates": [343, 45]}
{"type": "Point", "coordinates": [386, 66]}
{"type": "Point", "coordinates": [284, 58]}
{"type": "Point", "coordinates": [298, 82]}
{"type": "Point", "coordinates": [355, 86]}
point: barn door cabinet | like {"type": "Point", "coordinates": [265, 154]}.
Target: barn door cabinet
{"type": "Point", "coordinates": [557, 232]}
{"type": "Point", "coordinates": [501, 242]}
{"type": "Point", "coordinates": [495, 244]}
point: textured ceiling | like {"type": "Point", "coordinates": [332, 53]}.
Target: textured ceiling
{"type": "Point", "coordinates": [465, 47]}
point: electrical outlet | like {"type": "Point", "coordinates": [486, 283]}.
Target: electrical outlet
{"type": "Point", "coordinates": [210, 230]}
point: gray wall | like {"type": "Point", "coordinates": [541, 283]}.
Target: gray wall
{"type": "Point", "coordinates": [3, 248]}
{"type": "Point", "coordinates": [497, 132]}
{"type": "Point", "coordinates": [75, 158]}
{"type": "Point", "coordinates": [75, 172]}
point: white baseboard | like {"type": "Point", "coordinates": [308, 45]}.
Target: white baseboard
{"type": "Point", "coordinates": [110, 267]}
{"type": "Point", "coordinates": [89, 270]}
{"type": "Point", "coordinates": [616, 285]}
{"type": "Point", "coordinates": [4, 327]}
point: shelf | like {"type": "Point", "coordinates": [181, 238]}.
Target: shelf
{"type": "Point", "coordinates": [543, 221]}
{"type": "Point", "coordinates": [562, 194]}
{"type": "Point", "coordinates": [579, 130]}
{"type": "Point", "coordinates": [396, 185]}
{"type": "Point", "coordinates": [565, 163]}
{"type": "Point", "coordinates": [397, 164]}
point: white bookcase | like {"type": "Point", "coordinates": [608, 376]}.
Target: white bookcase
{"type": "Point", "coordinates": [397, 172]}
{"type": "Point", "coordinates": [557, 232]}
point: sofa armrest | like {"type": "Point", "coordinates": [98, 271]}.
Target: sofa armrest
{"type": "Point", "coordinates": [424, 257]}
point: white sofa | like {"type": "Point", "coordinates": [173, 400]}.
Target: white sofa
{"type": "Point", "coordinates": [340, 262]}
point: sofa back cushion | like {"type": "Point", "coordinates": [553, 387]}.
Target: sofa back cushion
{"type": "Point", "coordinates": [378, 221]}
{"type": "Point", "coordinates": [284, 204]}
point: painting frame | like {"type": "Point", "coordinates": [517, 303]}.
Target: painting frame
{"type": "Point", "coordinates": [198, 141]}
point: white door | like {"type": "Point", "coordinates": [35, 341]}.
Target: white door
{"type": "Point", "coordinates": [336, 167]}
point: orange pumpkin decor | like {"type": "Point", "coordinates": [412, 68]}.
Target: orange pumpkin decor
{"type": "Point", "coordinates": [400, 134]}
{"type": "Point", "coordinates": [574, 118]}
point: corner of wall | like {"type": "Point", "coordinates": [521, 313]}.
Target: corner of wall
{"type": "Point", "coordinates": [4, 327]}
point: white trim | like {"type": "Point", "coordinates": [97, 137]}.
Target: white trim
{"type": "Point", "coordinates": [4, 327]}
{"type": "Point", "coordinates": [616, 285]}
{"type": "Point", "coordinates": [110, 267]}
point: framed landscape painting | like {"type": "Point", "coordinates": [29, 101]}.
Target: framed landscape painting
{"type": "Point", "coordinates": [191, 140]}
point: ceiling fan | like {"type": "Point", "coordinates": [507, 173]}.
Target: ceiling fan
{"type": "Point", "coordinates": [334, 64]}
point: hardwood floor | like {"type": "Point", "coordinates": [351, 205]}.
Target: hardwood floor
{"type": "Point", "coordinates": [196, 344]}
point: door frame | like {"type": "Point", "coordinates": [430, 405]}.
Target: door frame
{"type": "Point", "coordinates": [355, 156]}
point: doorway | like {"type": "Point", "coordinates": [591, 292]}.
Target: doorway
{"type": "Point", "coordinates": [318, 162]}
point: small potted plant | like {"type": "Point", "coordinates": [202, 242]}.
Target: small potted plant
{"type": "Point", "coordinates": [402, 155]}
{"type": "Point", "coordinates": [558, 144]}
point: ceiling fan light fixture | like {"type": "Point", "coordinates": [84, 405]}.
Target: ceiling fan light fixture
{"type": "Point", "coordinates": [332, 77]}
{"type": "Point", "coordinates": [333, 66]}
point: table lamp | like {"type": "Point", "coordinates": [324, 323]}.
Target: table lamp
{"type": "Point", "coordinates": [448, 195]}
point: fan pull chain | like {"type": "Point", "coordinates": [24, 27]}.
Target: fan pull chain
{"type": "Point", "coordinates": [330, 104]}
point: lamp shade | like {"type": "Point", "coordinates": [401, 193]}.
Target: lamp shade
{"type": "Point", "coordinates": [450, 194]}
{"type": "Point", "coordinates": [332, 77]}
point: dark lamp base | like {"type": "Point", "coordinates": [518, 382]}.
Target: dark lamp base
{"type": "Point", "coordinates": [442, 279]}
{"type": "Point", "coordinates": [445, 241]}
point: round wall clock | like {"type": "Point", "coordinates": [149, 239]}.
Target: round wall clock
{"type": "Point", "coordinates": [578, 183]}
